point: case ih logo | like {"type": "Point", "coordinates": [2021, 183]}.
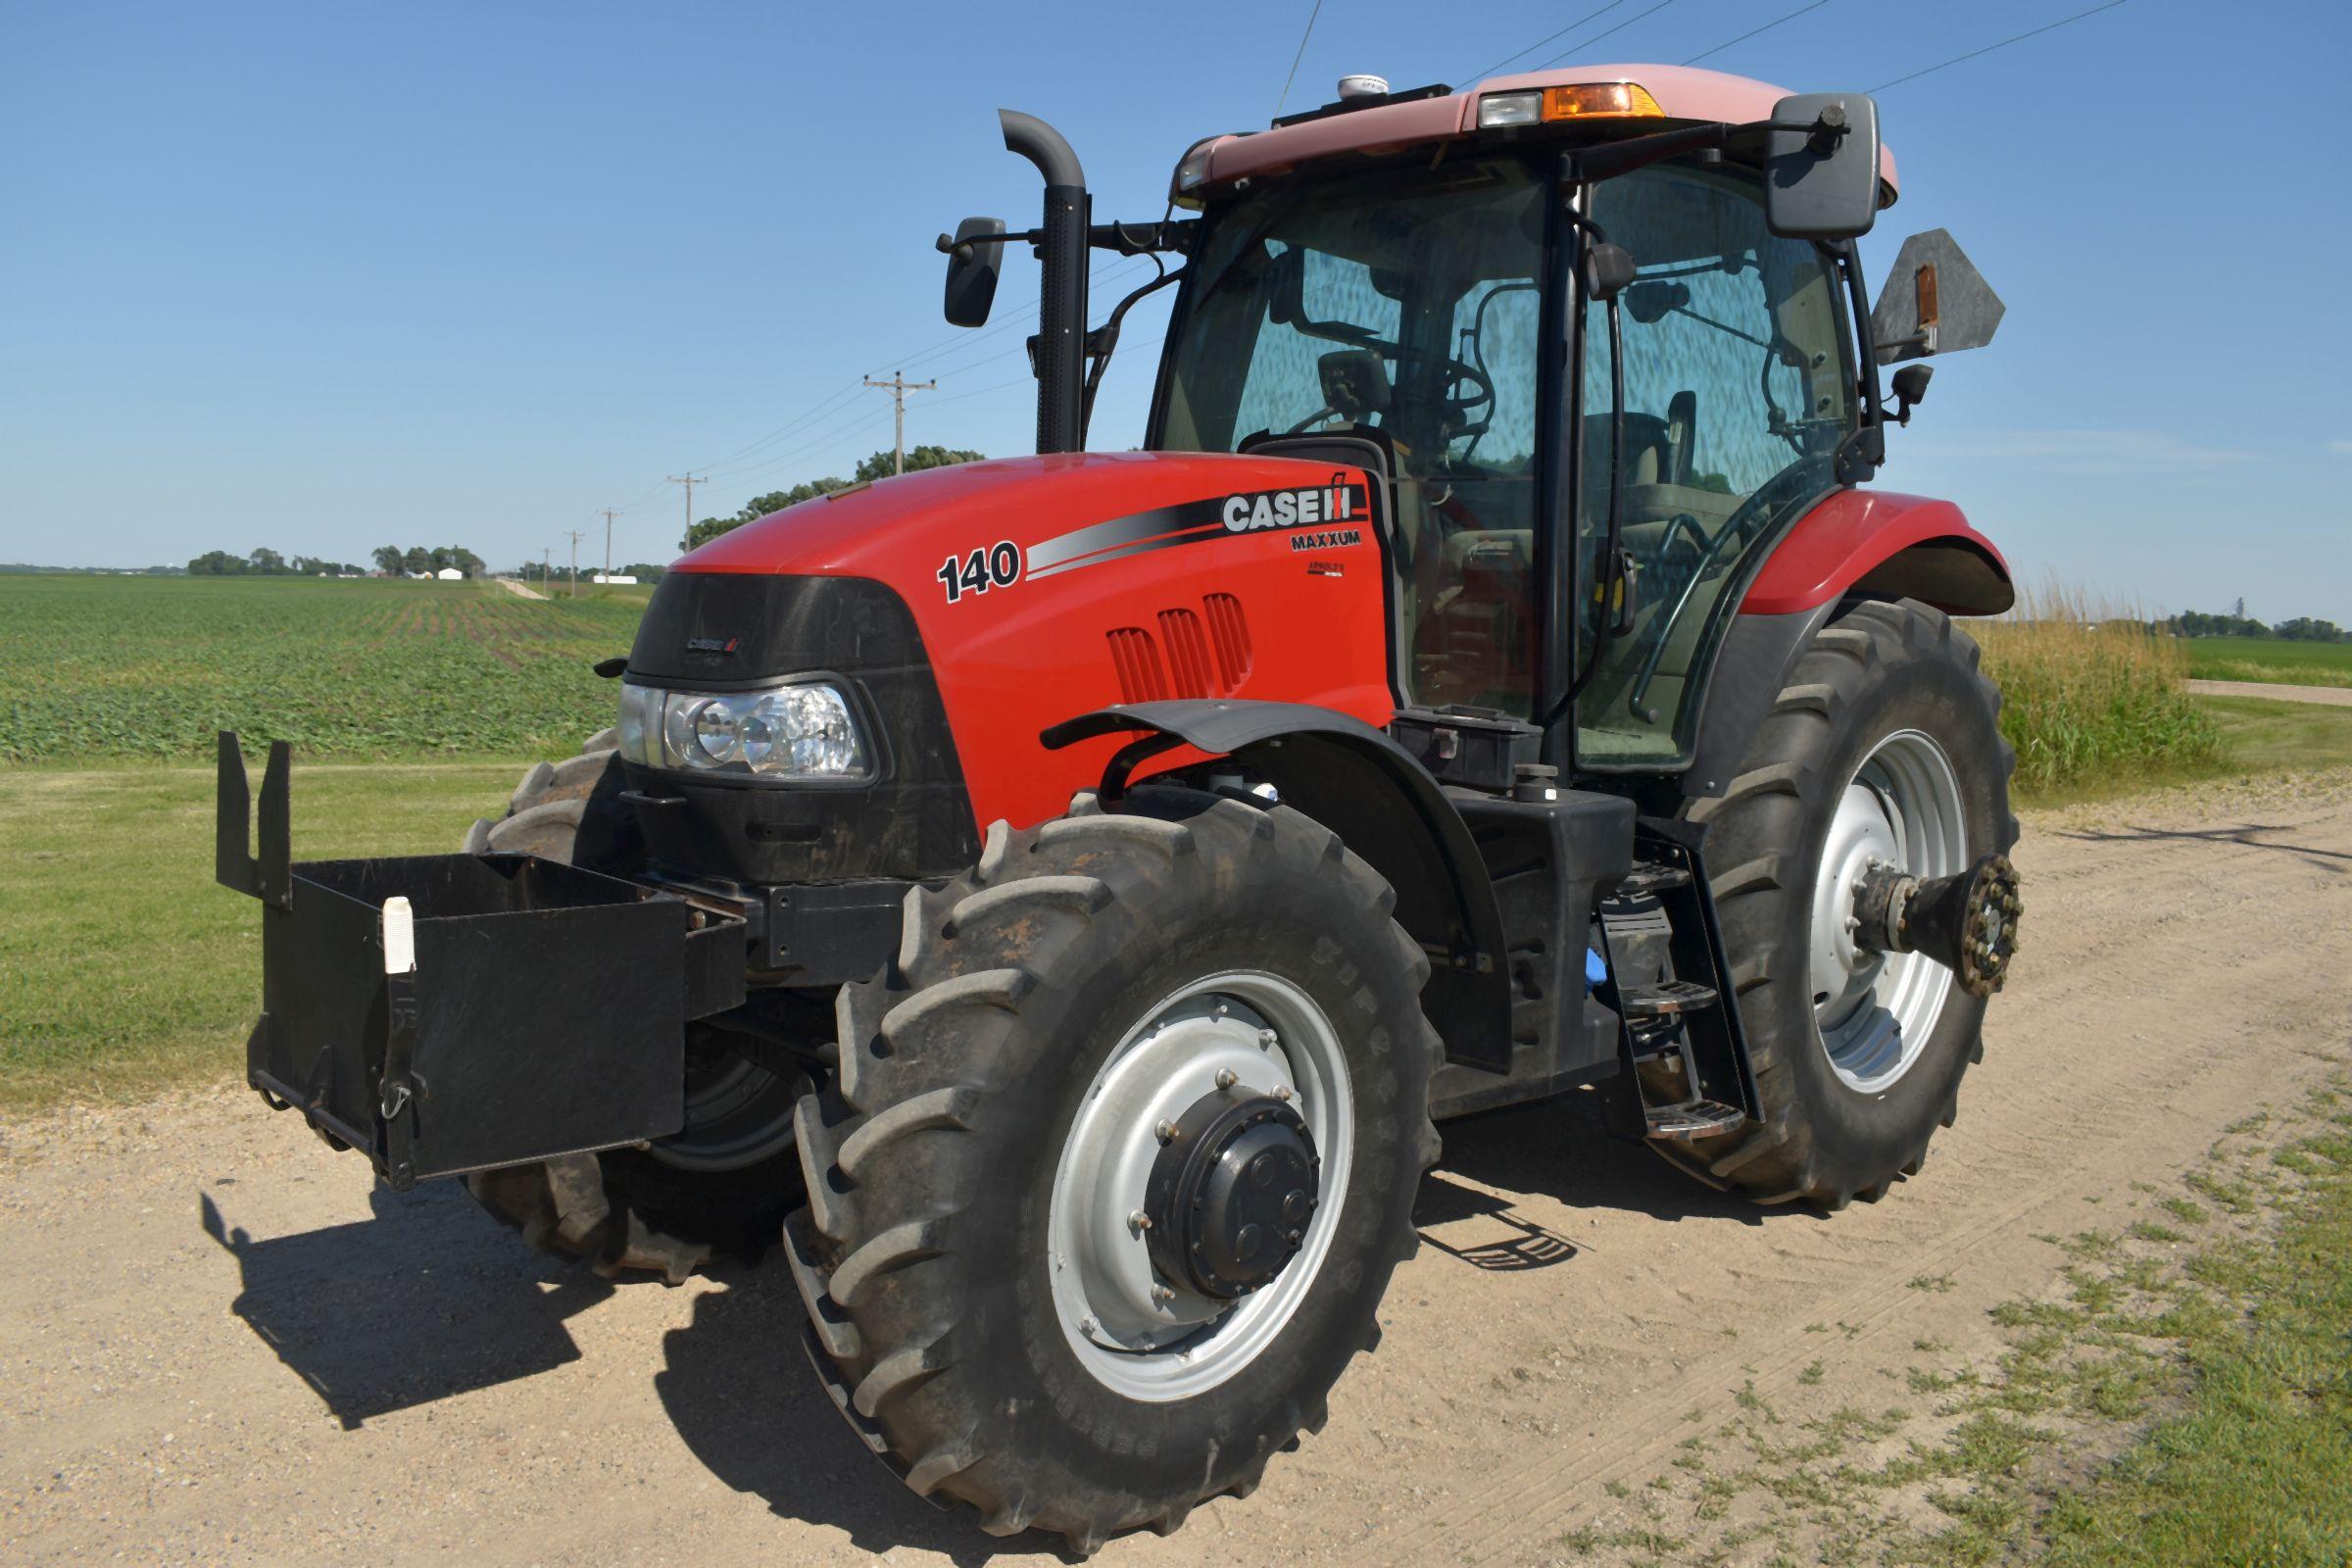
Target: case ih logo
{"type": "Point", "coordinates": [1293, 508]}
{"type": "Point", "coordinates": [716, 647]}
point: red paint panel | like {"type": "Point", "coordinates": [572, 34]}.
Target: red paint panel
{"type": "Point", "coordinates": [1019, 656]}
{"type": "Point", "coordinates": [1836, 545]}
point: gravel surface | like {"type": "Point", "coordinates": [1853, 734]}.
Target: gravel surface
{"type": "Point", "coordinates": [222, 1346]}
{"type": "Point", "coordinates": [2276, 691]}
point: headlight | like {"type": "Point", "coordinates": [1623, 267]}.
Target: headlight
{"type": "Point", "coordinates": [803, 730]}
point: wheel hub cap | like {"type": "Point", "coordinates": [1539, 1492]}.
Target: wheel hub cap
{"type": "Point", "coordinates": [1899, 815]}
{"type": "Point", "coordinates": [1200, 1185]}
{"type": "Point", "coordinates": [1231, 1192]}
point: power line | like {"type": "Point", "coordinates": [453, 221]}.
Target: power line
{"type": "Point", "coordinates": [2034, 32]}
{"type": "Point", "coordinates": [1480, 75]}
{"type": "Point", "coordinates": [1294, 59]}
{"type": "Point", "coordinates": [1754, 31]}
{"type": "Point", "coordinates": [1607, 33]}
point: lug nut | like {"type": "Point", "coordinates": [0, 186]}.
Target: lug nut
{"type": "Point", "coordinates": [1227, 1078]}
{"type": "Point", "coordinates": [1165, 1132]}
{"type": "Point", "coordinates": [1162, 1294]}
{"type": "Point", "coordinates": [1267, 1038]}
{"type": "Point", "coordinates": [1139, 1221]}
{"type": "Point", "coordinates": [1282, 1091]}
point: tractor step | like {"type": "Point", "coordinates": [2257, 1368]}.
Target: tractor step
{"type": "Point", "coordinates": [1701, 1118]}
{"type": "Point", "coordinates": [1668, 998]}
{"type": "Point", "coordinates": [1650, 878]}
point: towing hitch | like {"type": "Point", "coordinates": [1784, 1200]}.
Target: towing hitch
{"type": "Point", "coordinates": [446, 1013]}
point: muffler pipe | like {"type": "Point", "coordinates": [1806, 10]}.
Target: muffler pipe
{"type": "Point", "coordinates": [1966, 922]}
{"type": "Point", "coordinates": [1059, 351]}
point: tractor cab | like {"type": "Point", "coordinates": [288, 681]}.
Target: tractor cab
{"type": "Point", "coordinates": [1585, 468]}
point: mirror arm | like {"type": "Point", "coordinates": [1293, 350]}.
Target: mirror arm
{"type": "Point", "coordinates": [1128, 239]}
{"type": "Point", "coordinates": [1105, 339]}
{"type": "Point", "coordinates": [1612, 159]}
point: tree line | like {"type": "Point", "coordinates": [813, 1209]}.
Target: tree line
{"type": "Point", "coordinates": [267, 562]}
{"type": "Point", "coordinates": [392, 560]}
{"type": "Point", "coordinates": [2301, 629]}
{"type": "Point", "coordinates": [881, 466]}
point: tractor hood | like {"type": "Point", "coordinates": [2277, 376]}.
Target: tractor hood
{"type": "Point", "coordinates": [1043, 587]}
{"type": "Point", "coordinates": [1042, 505]}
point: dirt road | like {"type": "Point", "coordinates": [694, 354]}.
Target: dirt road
{"type": "Point", "coordinates": [221, 1347]}
{"type": "Point", "coordinates": [2276, 691]}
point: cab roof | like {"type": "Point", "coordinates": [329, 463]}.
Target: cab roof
{"type": "Point", "coordinates": [1685, 94]}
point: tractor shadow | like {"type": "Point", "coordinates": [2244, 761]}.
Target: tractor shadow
{"type": "Point", "coordinates": [427, 1300]}
{"type": "Point", "coordinates": [422, 1301]}
{"type": "Point", "coordinates": [740, 1391]}
{"type": "Point", "coordinates": [1559, 1150]}
{"type": "Point", "coordinates": [2249, 835]}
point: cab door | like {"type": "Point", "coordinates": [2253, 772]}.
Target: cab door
{"type": "Point", "coordinates": [1739, 388]}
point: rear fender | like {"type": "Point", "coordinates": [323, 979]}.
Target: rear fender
{"type": "Point", "coordinates": [1856, 544]}
{"type": "Point", "coordinates": [1384, 806]}
{"type": "Point", "coordinates": [1886, 546]}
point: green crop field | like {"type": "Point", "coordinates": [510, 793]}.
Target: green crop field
{"type": "Point", "coordinates": [2272, 660]}
{"type": "Point", "coordinates": [99, 668]}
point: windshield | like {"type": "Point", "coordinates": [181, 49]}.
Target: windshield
{"type": "Point", "coordinates": [1407, 301]}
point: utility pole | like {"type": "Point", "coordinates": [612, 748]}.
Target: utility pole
{"type": "Point", "coordinates": [547, 565]}
{"type": "Point", "coordinates": [898, 386]}
{"type": "Point", "coordinates": [575, 534]}
{"type": "Point", "coordinates": [689, 480]}
{"type": "Point", "coordinates": [610, 514]}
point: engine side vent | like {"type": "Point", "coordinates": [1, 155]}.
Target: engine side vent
{"type": "Point", "coordinates": [1188, 654]}
{"type": "Point", "coordinates": [1229, 635]}
{"type": "Point", "coordinates": [1135, 659]}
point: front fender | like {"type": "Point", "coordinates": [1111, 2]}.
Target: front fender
{"type": "Point", "coordinates": [1384, 806]}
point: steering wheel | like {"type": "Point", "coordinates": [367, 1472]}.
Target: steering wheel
{"type": "Point", "coordinates": [1457, 405]}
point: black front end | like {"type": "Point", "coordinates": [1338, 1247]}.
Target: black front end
{"type": "Point", "coordinates": [819, 868]}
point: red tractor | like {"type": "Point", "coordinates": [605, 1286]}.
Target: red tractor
{"type": "Point", "coordinates": [1058, 896]}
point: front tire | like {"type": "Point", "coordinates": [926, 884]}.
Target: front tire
{"type": "Point", "coordinates": [1053, 1005]}
{"type": "Point", "coordinates": [722, 1187]}
{"type": "Point", "coordinates": [1885, 744]}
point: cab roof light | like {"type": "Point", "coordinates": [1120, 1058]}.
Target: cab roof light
{"type": "Point", "coordinates": [1595, 100]}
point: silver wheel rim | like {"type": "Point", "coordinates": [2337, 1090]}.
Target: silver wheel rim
{"type": "Point", "coordinates": [1874, 1011]}
{"type": "Point", "coordinates": [1274, 1040]}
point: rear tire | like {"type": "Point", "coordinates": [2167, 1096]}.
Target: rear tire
{"type": "Point", "coordinates": [1882, 680]}
{"type": "Point", "coordinates": [633, 1212]}
{"type": "Point", "coordinates": [935, 1165]}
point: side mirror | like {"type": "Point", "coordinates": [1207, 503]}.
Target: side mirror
{"type": "Point", "coordinates": [1910, 389]}
{"type": "Point", "coordinates": [1608, 270]}
{"type": "Point", "coordinates": [1821, 165]}
{"type": "Point", "coordinates": [1935, 302]}
{"type": "Point", "coordinates": [1648, 303]}
{"type": "Point", "coordinates": [975, 257]}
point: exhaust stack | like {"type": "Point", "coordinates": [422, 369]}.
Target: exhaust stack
{"type": "Point", "coordinates": [1059, 351]}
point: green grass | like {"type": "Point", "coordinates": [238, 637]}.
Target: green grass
{"type": "Point", "coordinates": [124, 967]}
{"type": "Point", "coordinates": [2263, 736]}
{"type": "Point", "coordinates": [2255, 1465]}
{"type": "Point", "coordinates": [2269, 659]}
{"type": "Point", "coordinates": [100, 668]}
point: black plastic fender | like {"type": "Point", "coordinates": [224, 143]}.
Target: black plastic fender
{"type": "Point", "coordinates": [1383, 805]}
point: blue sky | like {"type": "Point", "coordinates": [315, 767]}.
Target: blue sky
{"type": "Point", "coordinates": [325, 277]}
